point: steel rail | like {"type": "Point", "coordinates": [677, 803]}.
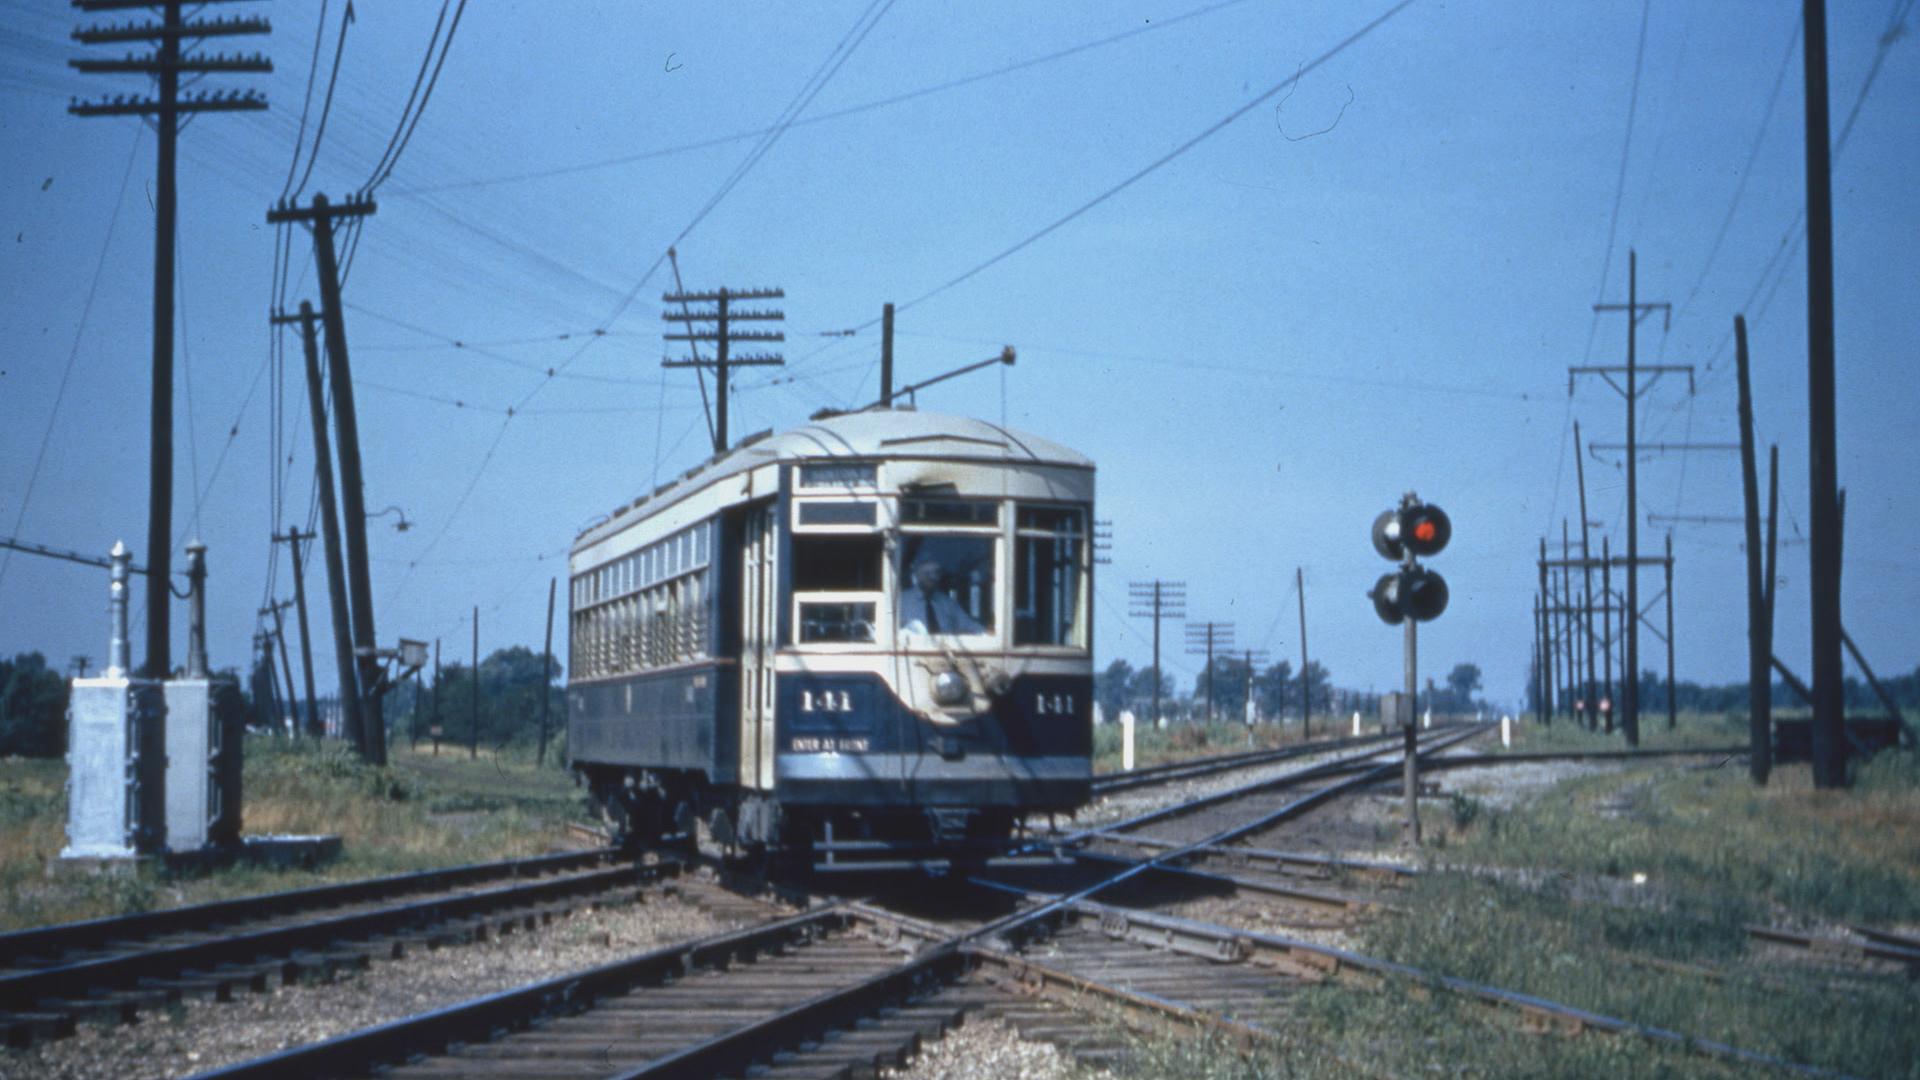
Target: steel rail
{"type": "Point", "coordinates": [1357, 763]}
{"type": "Point", "coordinates": [1171, 771]}
{"type": "Point", "coordinates": [50, 941]}
{"type": "Point", "coordinates": [1316, 960]}
{"type": "Point", "coordinates": [21, 990]}
{"type": "Point", "coordinates": [1876, 947]}
{"type": "Point", "coordinates": [371, 1049]}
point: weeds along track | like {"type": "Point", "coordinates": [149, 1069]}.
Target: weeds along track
{"type": "Point", "coordinates": [1194, 768]}
{"type": "Point", "coordinates": [848, 988]}
{"type": "Point", "coordinates": [116, 968]}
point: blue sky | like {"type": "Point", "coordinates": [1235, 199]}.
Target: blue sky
{"type": "Point", "coordinates": [1371, 283]}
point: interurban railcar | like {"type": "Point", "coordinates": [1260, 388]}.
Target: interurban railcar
{"type": "Point", "coordinates": [873, 632]}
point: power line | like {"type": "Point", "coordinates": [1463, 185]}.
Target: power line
{"type": "Point", "coordinates": [853, 110]}
{"type": "Point", "coordinates": [380, 176]}
{"type": "Point", "coordinates": [1620, 186]}
{"type": "Point", "coordinates": [326, 108]}
{"type": "Point", "coordinates": [313, 70]}
{"type": "Point", "coordinates": [73, 354]}
{"type": "Point", "coordinates": [1157, 163]}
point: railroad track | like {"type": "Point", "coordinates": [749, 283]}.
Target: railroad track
{"type": "Point", "coordinates": [1193, 768]}
{"type": "Point", "coordinates": [117, 968]}
{"type": "Point", "coordinates": [848, 988]}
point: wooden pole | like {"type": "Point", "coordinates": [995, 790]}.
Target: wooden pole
{"type": "Point", "coordinates": [1829, 736]}
{"type": "Point", "coordinates": [1759, 644]}
{"type": "Point", "coordinates": [473, 723]}
{"type": "Point", "coordinates": [546, 676]}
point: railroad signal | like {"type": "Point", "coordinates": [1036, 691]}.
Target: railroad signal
{"type": "Point", "coordinates": [1409, 596]}
{"type": "Point", "coordinates": [1419, 529]}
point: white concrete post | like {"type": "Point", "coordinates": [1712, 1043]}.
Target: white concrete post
{"type": "Point", "coordinates": [1356, 723]}
{"type": "Point", "coordinates": [1126, 740]}
{"type": "Point", "coordinates": [1506, 731]}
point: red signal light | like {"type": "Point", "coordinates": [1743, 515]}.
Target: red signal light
{"type": "Point", "coordinates": [1425, 531]}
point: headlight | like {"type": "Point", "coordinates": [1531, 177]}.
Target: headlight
{"type": "Point", "coordinates": [950, 688]}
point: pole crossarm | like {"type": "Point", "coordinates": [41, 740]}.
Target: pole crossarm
{"type": "Point", "coordinates": [144, 65]}
{"type": "Point", "coordinates": [749, 360]}
{"type": "Point", "coordinates": [714, 296]}
{"type": "Point", "coordinates": [352, 206]}
{"type": "Point", "coordinates": [186, 31]}
{"type": "Point", "coordinates": [1611, 560]}
{"type": "Point", "coordinates": [1664, 448]}
{"type": "Point", "coordinates": [1695, 519]}
{"type": "Point", "coordinates": [733, 335]}
{"type": "Point", "coordinates": [242, 101]}
{"type": "Point", "coordinates": [748, 315]}
{"type": "Point", "coordinates": [1608, 371]}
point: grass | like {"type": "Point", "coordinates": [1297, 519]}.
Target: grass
{"type": "Point", "coordinates": [1179, 741]}
{"type": "Point", "coordinates": [1690, 730]}
{"type": "Point", "coordinates": [1399, 1031]}
{"type": "Point", "coordinates": [420, 812]}
{"type": "Point", "coordinates": [1628, 893]}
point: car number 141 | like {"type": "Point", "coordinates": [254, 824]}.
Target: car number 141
{"type": "Point", "coordinates": [1053, 704]}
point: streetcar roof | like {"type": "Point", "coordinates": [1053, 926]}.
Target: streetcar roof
{"type": "Point", "coordinates": [869, 435]}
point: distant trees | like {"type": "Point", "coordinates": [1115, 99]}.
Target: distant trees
{"type": "Point", "coordinates": [510, 685]}
{"type": "Point", "coordinates": [1275, 690]}
{"type": "Point", "coordinates": [33, 707]}
{"type": "Point", "coordinates": [1110, 688]}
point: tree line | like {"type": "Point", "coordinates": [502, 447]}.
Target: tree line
{"type": "Point", "coordinates": [1275, 691]}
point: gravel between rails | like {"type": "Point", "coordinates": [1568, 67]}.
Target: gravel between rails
{"type": "Point", "coordinates": [201, 1035]}
{"type": "Point", "coordinates": [988, 1049]}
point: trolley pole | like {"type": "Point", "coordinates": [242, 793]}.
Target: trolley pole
{"type": "Point", "coordinates": [886, 356]}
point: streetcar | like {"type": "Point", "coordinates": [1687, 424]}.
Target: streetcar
{"type": "Point", "coordinates": [865, 637]}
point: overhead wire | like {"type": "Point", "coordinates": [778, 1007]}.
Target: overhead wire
{"type": "Point", "coordinates": [326, 105]}
{"type": "Point", "coordinates": [853, 110]}
{"type": "Point", "coordinates": [73, 355]}
{"type": "Point", "coordinates": [426, 60]}
{"type": "Point", "coordinates": [1156, 164]}
{"type": "Point", "coordinates": [306, 102]}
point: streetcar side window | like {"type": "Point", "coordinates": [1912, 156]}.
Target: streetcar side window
{"type": "Point", "coordinates": [826, 568]}
{"type": "Point", "coordinates": [1049, 567]}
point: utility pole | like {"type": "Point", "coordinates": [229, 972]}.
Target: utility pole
{"type": "Point", "coordinates": [1586, 575]}
{"type": "Point", "coordinates": [1606, 617]}
{"type": "Point", "coordinates": [436, 697]}
{"type": "Point", "coordinates": [546, 676]}
{"type": "Point", "coordinates": [1539, 664]}
{"type": "Point", "coordinates": [722, 315]}
{"type": "Point", "coordinates": [165, 65]}
{"type": "Point", "coordinates": [1202, 639]}
{"type": "Point", "coordinates": [320, 215]}
{"type": "Point", "coordinates": [1635, 310]}
{"type": "Point", "coordinates": [286, 667]}
{"type": "Point", "coordinates": [350, 711]}
{"type": "Point", "coordinates": [1823, 478]}
{"type": "Point", "coordinates": [886, 356]}
{"type": "Point", "coordinates": [1306, 684]}
{"type": "Point", "coordinates": [473, 720]}
{"type": "Point", "coordinates": [1157, 600]}
{"type": "Point", "coordinates": [292, 540]}
{"type": "Point", "coordinates": [1548, 638]}
{"type": "Point", "coordinates": [1673, 705]}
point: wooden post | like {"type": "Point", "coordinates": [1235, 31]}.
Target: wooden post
{"type": "Point", "coordinates": [1672, 698]}
{"type": "Point", "coordinates": [546, 676]}
{"type": "Point", "coordinates": [473, 724]}
{"type": "Point", "coordinates": [1759, 641]}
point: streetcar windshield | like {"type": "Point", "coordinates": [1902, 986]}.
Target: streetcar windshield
{"type": "Point", "coordinates": [946, 584]}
